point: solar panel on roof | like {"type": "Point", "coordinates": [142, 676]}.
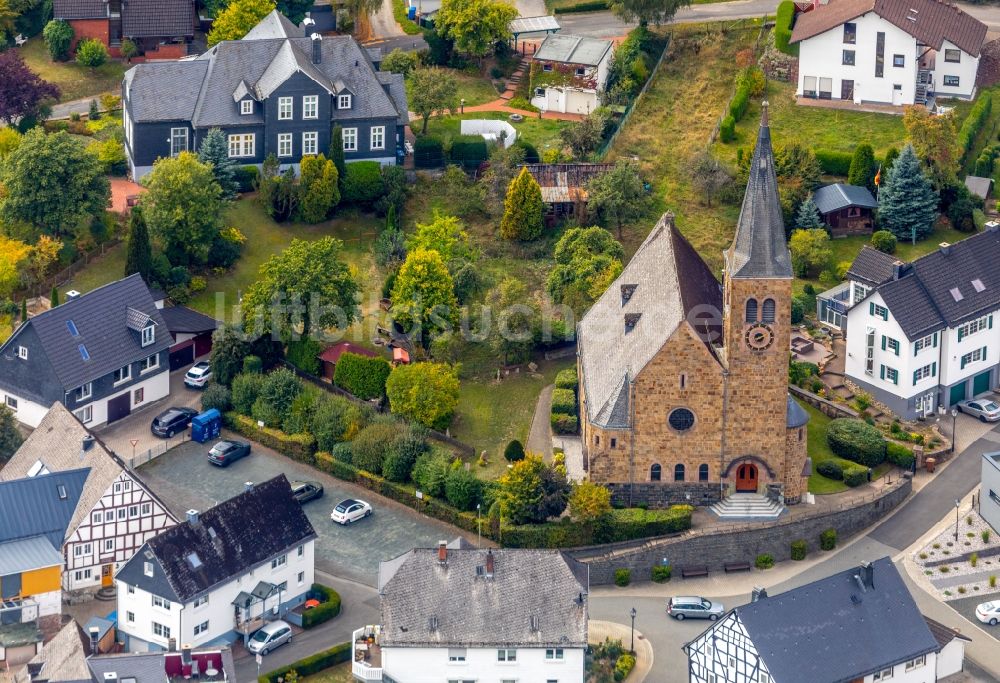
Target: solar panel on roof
{"type": "Point", "coordinates": [71, 326]}
{"type": "Point", "coordinates": [84, 354]}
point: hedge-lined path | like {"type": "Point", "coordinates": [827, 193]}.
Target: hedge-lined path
{"type": "Point", "coordinates": [540, 434]}
{"type": "Point", "coordinates": [599, 631]}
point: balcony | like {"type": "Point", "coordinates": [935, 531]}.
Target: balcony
{"type": "Point", "coordinates": [367, 661]}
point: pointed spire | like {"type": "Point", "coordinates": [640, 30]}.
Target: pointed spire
{"type": "Point", "coordinates": [763, 114]}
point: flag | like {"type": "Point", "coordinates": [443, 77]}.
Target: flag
{"type": "Point", "coordinates": [878, 176]}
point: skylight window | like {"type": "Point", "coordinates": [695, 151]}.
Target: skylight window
{"type": "Point", "coordinates": [71, 326]}
{"type": "Point", "coordinates": [194, 560]}
{"type": "Point", "coordinates": [61, 490]}
{"type": "Point", "coordinates": [956, 294]}
{"type": "Point", "coordinates": [978, 285]}
{"type": "Point", "coordinates": [38, 468]}
{"type": "Point", "coordinates": [84, 354]}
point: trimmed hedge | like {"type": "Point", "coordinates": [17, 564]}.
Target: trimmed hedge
{"type": "Point", "coordinates": [304, 354]}
{"type": "Point", "coordinates": [567, 379]}
{"type": "Point", "coordinates": [362, 182]}
{"type": "Point", "coordinates": [828, 539]}
{"type": "Point", "coordinates": [362, 376]}
{"type": "Point", "coordinates": [623, 577]}
{"type": "Point", "coordinates": [855, 475]}
{"type": "Point", "coordinates": [246, 177]}
{"type": "Point", "coordinates": [564, 424]}
{"type": "Point", "coordinates": [899, 455]}
{"type": "Point", "coordinates": [469, 150]}
{"type": "Point", "coordinates": [428, 152]}
{"type": "Point", "coordinates": [328, 608]}
{"type": "Point", "coordinates": [857, 441]}
{"type": "Point", "coordinates": [338, 654]}
{"type": "Point", "coordinates": [727, 129]}
{"type": "Point", "coordinates": [833, 162]}
{"type": "Point", "coordinates": [740, 102]}
{"type": "Point", "coordinates": [832, 468]}
{"type": "Point", "coordinates": [974, 122]}
{"type": "Point", "coordinates": [299, 447]}
{"type": "Point", "coordinates": [564, 402]}
{"type": "Point", "coordinates": [783, 28]}
{"type": "Point", "coordinates": [799, 550]}
{"type": "Point", "coordinates": [586, 6]}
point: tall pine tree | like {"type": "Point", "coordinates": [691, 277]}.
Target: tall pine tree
{"type": "Point", "coordinates": [215, 152]}
{"type": "Point", "coordinates": [907, 202]}
{"type": "Point", "coordinates": [140, 255]}
{"type": "Point", "coordinates": [523, 207]}
{"type": "Point", "coordinates": [808, 217]}
{"type": "Point", "coordinates": [337, 153]}
{"type": "Point", "coordinates": [54, 297]}
{"type": "Point", "coordinates": [863, 168]}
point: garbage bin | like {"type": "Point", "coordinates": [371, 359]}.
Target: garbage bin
{"type": "Point", "coordinates": [411, 13]}
{"type": "Point", "coordinates": [206, 426]}
{"type": "Point", "coordinates": [930, 463]}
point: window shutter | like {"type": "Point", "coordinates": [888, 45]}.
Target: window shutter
{"type": "Point", "coordinates": [960, 335]}
{"type": "Point", "coordinates": [883, 342]}
{"type": "Point", "coordinates": [990, 323]}
{"type": "Point", "coordinates": [963, 361]}
{"type": "Point", "coordinates": [895, 378]}
{"type": "Point", "coordinates": [871, 308]}
{"type": "Point", "coordinates": [984, 354]}
{"type": "Point", "coordinates": [935, 340]}
{"type": "Point", "coordinates": [934, 369]}
{"type": "Point", "coordinates": [885, 314]}
{"type": "Point", "coordinates": [897, 348]}
{"type": "Point", "coordinates": [914, 378]}
{"type": "Point", "coordinates": [915, 350]}
{"type": "Point", "coordinates": [882, 372]}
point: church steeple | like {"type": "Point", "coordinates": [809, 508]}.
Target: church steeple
{"type": "Point", "coordinates": [759, 249]}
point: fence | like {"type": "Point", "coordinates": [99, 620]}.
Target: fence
{"type": "Point", "coordinates": [67, 273]}
{"type": "Point", "coordinates": [143, 457]}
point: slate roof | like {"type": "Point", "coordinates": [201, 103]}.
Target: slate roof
{"type": "Point", "coordinates": [229, 539]}
{"type": "Point", "coordinates": [545, 586]}
{"type": "Point", "coordinates": [31, 507]}
{"type": "Point", "coordinates": [670, 281]}
{"type": "Point", "coordinates": [569, 49]}
{"type": "Point", "coordinates": [158, 18]}
{"type": "Point", "coordinates": [838, 196]}
{"type": "Point", "coordinates": [79, 9]}
{"type": "Point", "coordinates": [795, 415]}
{"type": "Point", "coordinates": [911, 307]}
{"type": "Point", "coordinates": [164, 91]}
{"type": "Point", "coordinates": [186, 320]}
{"type": "Point", "coordinates": [63, 659]}
{"type": "Point", "coordinates": [931, 22]}
{"type": "Point", "coordinates": [846, 632]}
{"type": "Point", "coordinates": [944, 634]}
{"type": "Point", "coordinates": [274, 25]}
{"type": "Point", "coordinates": [759, 249]}
{"type": "Point", "coordinates": [871, 266]}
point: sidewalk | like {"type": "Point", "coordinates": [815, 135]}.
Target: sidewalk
{"type": "Point", "coordinates": [598, 631]}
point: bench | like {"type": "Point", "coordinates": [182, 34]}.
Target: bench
{"type": "Point", "coordinates": [694, 570]}
{"type": "Point", "coordinates": [737, 567]}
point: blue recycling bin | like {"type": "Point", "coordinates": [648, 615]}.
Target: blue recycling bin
{"type": "Point", "coordinates": [411, 13]}
{"type": "Point", "coordinates": [206, 426]}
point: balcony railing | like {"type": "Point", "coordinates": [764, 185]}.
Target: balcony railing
{"type": "Point", "coordinates": [367, 662]}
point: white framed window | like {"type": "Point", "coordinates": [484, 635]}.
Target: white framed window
{"type": "Point", "coordinates": [201, 628]}
{"type": "Point", "coordinates": [378, 137]}
{"type": "Point", "coordinates": [284, 108]}
{"type": "Point", "coordinates": [924, 343]}
{"type": "Point", "coordinates": [456, 654]}
{"type": "Point", "coordinates": [890, 374]}
{"type": "Point", "coordinates": [974, 356]}
{"type": "Point", "coordinates": [860, 292]}
{"type": "Point", "coordinates": [246, 107]}
{"type": "Point", "coordinates": [118, 487]}
{"type": "Point", "coordinates": [22, 352]}
{"type": "Point", "coordinates": [122, 513]}
{"type": "Point", "coordinates": [133, 511]}
{"type": "Point", "coordinates": [343, 102]}
{"type": "Point", "coordinates": [284, 144]}
{"type": "Point", "coordinates": [870, 351]}
{"type": "Point", "coordinates": [161, 603]}
{"type": "Point", "coordinates": [301, 550]}
{"type": "Point", "coordinates": [109, 515]}
{"type": "Point", "coordinates": [85, 391]}
{"type": "Point", "coordinates": [310, 143]}
{"type": "Point", "coordinates": [242, 145]}
{"type": "Point", "coordinates": [924, 372]}
{"type": "Point", "coordinates": [953, 56]}
{"type": "Point", "coordinates": [350, 139]}
{"type": "Point", "coordinates": [127, 485]}
{"type": "Point", "coordinates": [77, 551]}
{"type": "Point", "coordinates": [890, 344]}
{"type": "Point", "coordinates": [147, 508]}
{"type": "Point", "coordinates": [161, 631]}
{"type": "Point", "coordinates": [506, 655]}
{"type": "Point", "coordinates": [951, 81]}
{"type": "Point", "coordinates": [150, 363]}
{"type": "Point", "coordinates": [109, 545]}
{"type": "Point", "coordinates": [147, 568]}
{"type": "Point", "coordinates": [148, 334]}
{"type": "Point", "coordinates": [85, 414]}
{"type": "Point", "coordinates": [178, 141]}
{"type": "Point", "coordinates": [916, 662]}
{"type": "Point", "coordinates": [97, 517]}
{"type": "Point", "coordinates": [883, 675]}
{"type": "Point", "coordinates": [554, 654]}
{"type": "Point", "coordinates": [310, 106]}
{"type": "Point", "coordinates": [879, 311]}
{"type": "Point", "coordinates": [123, 374]}
{"type": "Point", "coordinates": [301, 578]}
{"type": "Point", "coordinates": [279, 561]}
{"type": "Point", "coordinates": [203, 600]}
{"type": "Point", "coordinates": [130, 617]}
{"type": "Point", "coordinates": [11, 403]}
{"type": "Point", "coordinates": [131, 589]}
{"type": "Point", "coordinates": [974, 326]}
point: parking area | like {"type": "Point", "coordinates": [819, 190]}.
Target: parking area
{"type": "Point", "coordinates": [185, 480]}
{"type": "Point", "coordinates": [967, 608]}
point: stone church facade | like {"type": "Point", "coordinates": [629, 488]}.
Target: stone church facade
{"type": "Point", "coordinates": [684, 380]}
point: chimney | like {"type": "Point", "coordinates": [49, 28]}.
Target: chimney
{"type": "Point", "coordinates": [110, 677]}
{"type": "Point", "coordinates": [87, 443]}
{"type": "Point", "coordinates": [945, 248]}
{"type": "Point", "coordinates": [308, 25]}
{"type": "Point", "coordinates": [489, 564]}
{"type": "Point", "coordinates": [94, 632]}
{"type": "Point", "coordinates": [868, 575]}
{"type": "Point", "coordinates": [897, 269]}
{"type": "Point", "coordinates": [317, 43]}
{"type": "Point", "coordinates": [247, 486]}
{"type": "Point", "coordinates": [758, 594]}
{"type": "Point", "coordinates": [442, 552]}
{"type": "Point", "coordinates": [192, 516]}
{"type": "Point", "coordinates": [72, 294]}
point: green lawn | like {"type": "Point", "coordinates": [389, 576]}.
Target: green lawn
{"type": "Point", "coordinates": [74, 81]}
{"type": "Point", "coordinates": [336, 674]}
{"type": "Point", "coordinates": [819, 450]}
{"type": "Point", "coordinates": [474, 88]}
{"type": "Point", "coordinates": [542, 133]}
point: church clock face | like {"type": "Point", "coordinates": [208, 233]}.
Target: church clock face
{"type": "Point", "coordinates": [759, 337]}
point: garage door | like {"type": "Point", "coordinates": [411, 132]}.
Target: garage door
{"type": "Point", "coordinates": [957, 394]}
{"type": "Point", "coordinates": [119, 407]}
{"type": "Point", "coordinates": [182, 357]}
{"type": "Point", "coordinates": [202, 344]}
{"type": "Point", "coordinates": [981, 384]}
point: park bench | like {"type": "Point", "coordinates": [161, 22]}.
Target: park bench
{"type": "Point", "coordinates": [694, 570]}
{"type": "Point", "coordinates": [737, 567]}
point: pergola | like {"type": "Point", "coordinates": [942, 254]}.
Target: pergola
{"type": "Point", "coordinates": [523, 25]}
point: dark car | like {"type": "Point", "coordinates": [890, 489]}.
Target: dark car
{"type": "Point", "coordinates": [172, 421]}
{"type": "Point", "coordinates": [228, 451]}
{"type": "Point", "coordinates": [304, 491]}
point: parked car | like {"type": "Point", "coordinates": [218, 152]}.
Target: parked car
{"type": "Point", "coordinates": [199, 374]}
{"type": "Point", "coordinates": [269, 637]}
{"type": "Point", "coordinates": [350, 510]}
{"type": "Point", "coordinates": [171, 421]}
{"type": "Point", "coordinates": [304, 491]}
{"type": "Point", "coordinates": [988, 612]}
{"type": "Point", "coordinates": [228, 451]}
{"type": "Point", "coordinates": [983, 408]}
{"type": "Point", "coordinates": [692, 607]}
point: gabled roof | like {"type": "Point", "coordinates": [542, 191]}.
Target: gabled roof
{"type": "Point", "coordinates": [184, 319]}
{"type": "Point", "coordinates": [872, 267]}
{"type": "Point", "coordinates": [931, 22]}
{"type": "Point", "coordinates": [666, 280]}
{"type": "Point", "coordinates": [40, 506]}
{"type": "Point", "coordinates": [535, 598]}
{"type": "Point", "coordinates": [79, 9]}
{"type": "Point", "coordinates": [164, 91]}
{"type": "Point", "coordinates": [760, 249]}
{"type": "Point", "coordinates": [228, 540]}
{"type": "Point", "coordinates": [979, 186]}
{"type": "Point", "coordinates": [841, 195]}
{"type": "Point", "coordinates": [286, 62]}
{"type": "Point", "coordinates": [158, 18]}
{"type": "Point", "coordinates": [944, 634]}
{"type": "Point", "coordinates": [274, 25]}
{"type": "Point", "coordinates": [569, 49]}
{"type": "Point", "coordinates": [911, 307]}
{"type": "Point", "coordinates": [62, 660]}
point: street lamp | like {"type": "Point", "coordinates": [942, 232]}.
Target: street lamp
{"type": "Point", "coordinates": [956, 520]}
{"type": "Point", "coordinates": [632, 644]}
{"type": "Point", "coordinates": [954, 416]}
{"type": "Point", "coordinates": [479, 527]}
{"type": "Point", "coordinates": [463, 105]}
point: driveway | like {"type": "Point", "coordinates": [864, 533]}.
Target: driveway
{"type": "Point", "coordinates": [185, 480]}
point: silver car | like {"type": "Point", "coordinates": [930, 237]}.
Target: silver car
{"type": "Point", "coordinates": [269, 637]}
{"type": "Point", "coordinates": [985, 409]}
{"type": "Point", "coordinates": [693, 607]}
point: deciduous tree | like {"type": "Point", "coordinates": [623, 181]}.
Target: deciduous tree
{"type": "Point", "coordinates": [708, 175]}
{"type": "Point", "coordinates": [589, 501]}
{"type": "Point", "coordinates": [810, 250]}
{"type": "Point", "coordinates": [12, 254]}
{"type": "Point", "coordinates": [475, 26]}
{"type": "Point", "coordinates": [43, 257]}
{"type": "Point", "coordinates": [10, 436]}
{"type": "Point", "coordinates": [21, 90]}
{"type": "Point", "coordinates": [587, 262]}
{"type": "Point", "coordinates": [238, 18]}
{"type": "Point", "coordinates": [183, 207]}
{"type": "Point", "coordinates": [935, 143]}
{"type": "Point", "coordinates": [584, 137]}
{"type": "Point", "coordinates": [523, 208]}
{"type": "Point", "coordinates": [504, 166]}
{"type": "Point", "coordinates": [423, 296]}
{"type": "Point", "coordinates": [432, 90]}
{"type": "Point", "coordinates": [618, 196]}
{"type": "Point", "coordinates": [444, 234]}
{"type": "Point", "coordinates": [229, 348]}
{"type": "Point", "coordinates": [907, 201]}
{"type": "Point", "coordinates": [215, 152]}
{"type": "Point", "coordinates": [58, 36]}
{"type": "Point", "coordinates": [516, 320]}
{"type": "Point", "coordinates": [426, 393]}
{"type": "Point", "coordinates": [399, 62]}
{"type": "Point", "coordinates": [139, 258]}
{"type": "Point", "coordinates": [531, 491]}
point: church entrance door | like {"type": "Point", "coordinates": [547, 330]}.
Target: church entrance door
{"type": "Point", "coordinates": [746, 478]}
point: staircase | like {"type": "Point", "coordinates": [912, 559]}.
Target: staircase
{"type": "Point", "coordinates": [515, 79]}
{"type": "Point", "coordinates": [106, 594]}
{"type": "Point", "coordinates": [748, 506]}
{"type": "Point", "coordinates": [924, 85]}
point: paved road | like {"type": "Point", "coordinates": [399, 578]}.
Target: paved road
{"type": "Point", "coordinates": [540, 434]}
{"type": "Point", "coordinates": [383, 22]}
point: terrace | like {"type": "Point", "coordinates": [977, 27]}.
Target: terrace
{"type": "Point", "coordinates": [367, 661]}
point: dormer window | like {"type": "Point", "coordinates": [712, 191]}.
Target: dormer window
{"type": "Point", "coordinates": [627, 292]}
{"type": "Point", "coordinates": [148, 334]}
{"type": "Point", "coordinates": [22, 352]}
{"type": "Point", "coordinates": [631, 320]}
{"type": "Point", "coordinates": [246, 107]}
{"type": "Point", "coordinates": [343, 101]}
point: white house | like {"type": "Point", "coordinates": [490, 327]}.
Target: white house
{"type": "Point", "coordinates": [115, 513]}
{"type": "Point", "coordinates": [858, 625]}
{"type": "Point", "coordinates": [894, 52]}
{"type": "Point", "coordinates": [923, 338]}
{"type": "Point", "coordinates": [219, 575]}
{"type": "Point", "coordinates": [989, 490]}
{"type": "Point", "coordinates": [457, 613]}
{"type": "Point", "coordinates": [568, 73]}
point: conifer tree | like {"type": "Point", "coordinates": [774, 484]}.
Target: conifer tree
{"type": "Point", "coordinates": [139, 258]}
{"type": "Point", "coordinates": [337, 153]}
{"type": "Point", "coordinates": [863, 168]}
{"type": "Point", "coordinates": [215, 152]}
{"type": "Point", "coordinates": [522, 215]}
{"type": "Point", "coordinates": [808, 216]}
{"type": "Point", "coordinates": [318, 185]}
{"type": "Point", "coordinates": [24, 310]}
{"type": "Point", "coordinates": [907, 202]}
{"type": "Point", "coordinates": [54, 297]}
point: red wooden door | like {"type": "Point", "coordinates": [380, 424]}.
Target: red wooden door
{"type": "Point", "coordinates": [746, 478]}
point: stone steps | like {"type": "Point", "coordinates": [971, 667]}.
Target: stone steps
{"type": "Point", "coordinates": [748, 506]}
{"type": "Point", "coordinates": [106, 594]}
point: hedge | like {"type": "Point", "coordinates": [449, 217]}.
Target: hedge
{"type": "Point", "coordinates": [899, 455]}
{"type": "Point", "coordinates": [727, 129]}
{"type": "Point", "coordinates": [831, 469]}
{"type": "Point", "coordinates": [564, 424]}
{"type": "Point", "coordinates": [304, 354]}
{"type": "Point", "coordinates": [469, 150]}
{"type": "Point", "coordinates": [428, 152]}
{"type": "Point", "coordinates": [338, 654]}
{"type": "Point", "coordinates": [623, 576]}
{"type": "Point", "coordinates": [299, 447]}
{"type": "Point", "coordinates": [586, 6]}
{"type": "Point", "coordinates": [783, 28]}
{"type": "Point", "coordinates": [799, 549]}
{"type": "Point", "coordinates": [740, 102]}
{"type": "Point", "coordinates": [363, 376]}
{"type": "Point", "coordinates": [855, 475]}
{"type": "Point", "coordinates": [362, 182]}
{"type": "Point", "coordinates": [567, 379]}
{"type": "Point", "coordinates": [328, 608]}
{"type": "Point", "coordinates": [833, 162]}
{"type": "Point", "coordinates": [857, 441]}
{"type": "Point", "coordinates": [828, 539]}
{"type": "Point", "coordinates": [974, 122]}
{"type": "Point", "coordinates": [661, 573]}
{"type": "Point", "coordinates": [246, 177]}
{"type": "Point", "coordinates": [564, 402]}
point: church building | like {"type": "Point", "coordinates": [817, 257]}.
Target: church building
{"type": "Point", "coordinates": [683, 380]}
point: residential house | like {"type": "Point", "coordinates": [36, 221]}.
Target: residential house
{"type": "Point", "coordinates": [115, 514]}
{"type": "Point", "coordinates": [220, 574]}
{"type": "Point", "coordinates": [461, 613]}
{"type": "Point", "coordinates": [564, 187]}
{"type": "Point", "coordinates": [894, 52]}
{"type": "Point", "coordinates": [870, 268]}
{"type": "Point", "coordinates": [989, 490]}
{"type": "Point", "coordinates": [191, 332]}
{"type": "Point", "coordinates": [101, 354]}
{"type": "Point", "coordinates": [922, 337]}
{"type": "Point", "coordinates": [277, 91]}
{"type": "Point", "coordinates": [61, 660]}
{"type": "Point", "coordinates": [568, 73]}
{"type": "Point", "coordinates": [859, 625]}
{"type": "Point", "coordinates": [846, 209]}
{"type": "Point", "coordinates": [161, 29]}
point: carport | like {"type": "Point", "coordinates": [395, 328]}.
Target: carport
{"type": "Point", "coordinates": [191, 332]}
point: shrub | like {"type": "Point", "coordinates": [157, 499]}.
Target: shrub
{"type": "Point", "coordinates": [362, 182]}
{"type": "Point", "coordinates": [563, 402]}
{"type": "Point", "coordinates": [362, 376]}
{"type": "Point", "coordinates": [567, 379]}
{"type": "Point", "coordinates": [58, 36]}
{"type": "Point", "coordinates": [328, 608]}
{"type": "Point", "coordinates": [299, 447]}
{"type": "Point", "coordinates": [370, 445]}
{"type": "Point", "coordinates": [799, 550]}
{"type": "Point", "coordinates": [727, 129]}
{"type": "Point", "coordinates": [884, 241]}
{"type": "Point", "coordinates": [428, 152]}
{"type": "Point", "coordinates": [275, 397]}
{"type": "Point", "coordinates": [740, 102]}
{"type": "Point", "coordinates": [463, 489]}
{"type": "Point", "coordinates": [469, 150]}
{"type": "Point", "coordinates": [985, 535]}
{"type": "Point", "coordinates": [253, 365]}
{"type": "Point", "coordinates": [523, 105]}
{"type": "Point", "coordinates": [832, 162]}
{"type": "Point", "coordinates": [764, 561]}
{"type": "Point", "coordinates": [624, 666]}
{"type": "Point", "coordinates": [857, 441]}
{"type": "Point", "coordinates": [514, 451]}
{"type": "Point", "coordinates": [312, 664]}
{"type": "Point", "coordinates": [828, 539]}
{"type": "Point", "coordinates": [783, 28]}
{"type": "Point", "coordinates": [430, 473]}
{"type": "Point", "coordinates": [530, 152]}
{"type": "Point", "coordinates": [216, 396]}
{"type": "Point", "coordinates": [974, 559]}
{"type": "Point", "coordinates": [855, 475]}
{"type": "Point", "coordinates": [831, 469]}
{"type": "Point", "coordinates": [993, 581]}
{"type": "Point", "coordinates": [246, 388]}
{"type": "Point", "coordinates": [564, 424]}
{"type": "Point", "coordinates": [90, 52]}
{"type": "Point", "coordinates": [623, 577]}
{"type": "Point", "coordinates": [246, 177]}
{"type": "Point", "coordinates": [899, 455]}
{"type": "Point", "coordinates": [303, 354]}
{"type": "Point", "coordinates": [661, 573]}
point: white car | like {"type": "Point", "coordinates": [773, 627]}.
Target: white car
{"type": "Point", "coordinates": [988, 613]}
{"type": "Point", "coordinates": [350, 510]}
{"type": "Point", "coordinates": [199, 374]}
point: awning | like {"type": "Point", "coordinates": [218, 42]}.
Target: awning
{"type": "Point", "coordinates": [544, 24]}
{"type": "Point", "coordinates": [243, 600]}
{"type": "Point", "coordinates": [263, 590]}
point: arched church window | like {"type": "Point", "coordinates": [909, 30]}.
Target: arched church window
{"type": "Point", "coordinates": [768, 315]}
{"type": "Point", "coordinates": [703, 472]}
{"type": "Point", "coordinates": [655, 472]}
{"type": "Point", "coordinates": [678, 472]}
{"type": "Point", "coordinates": [751, 316]}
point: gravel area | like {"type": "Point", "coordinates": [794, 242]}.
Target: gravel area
{"type": "Point", "coordinates": [947, 565]}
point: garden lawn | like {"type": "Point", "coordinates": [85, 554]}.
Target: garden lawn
{"type": "Point", "coordinates": [542, 133]}
{"type": "Point", "coordinates": [819, 450]}
{"type": "Point", "coordinates": [474, 88]}
{"type": "Point", "coordinates": [399, 10]}
{"type": "Point", "coordinates": [341, 673]}
{"type": "Point", "coordinates": [74, 81]}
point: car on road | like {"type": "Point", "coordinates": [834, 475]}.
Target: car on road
{"type": "Point", "coordinates": [989, 612]}
{"type": "Point", "coordinates": [199, 374]}
{"type": "Point", "coordinates": [172, 420]}
{"type": "Point", "coordinates": [350, 510]}
{"type": "Point", "coordinates": [304, 491]}
{"type": "Point", "coordinates": [270, 636]}
{"type": "Point", "coordinates": [693, 607]}
{"type": "Point", "coordinates": [983, 408]}
{"type": "Point", "coordinates": [228, 451]}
